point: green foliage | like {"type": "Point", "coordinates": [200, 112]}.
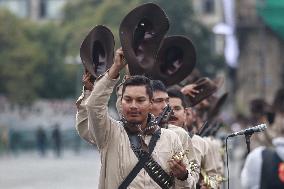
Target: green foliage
{"type": "Point", "coordinates": [20, 61]}
{"type": "Point", "coordinates": [183, 22]}
{"type": "Point", "coordinates": [111, 13]}
{"type": "Point", "coordinates": [77, 24]}
{"type": "Point", "coordinates": [32, 54]}
{"type": "Point", "coordinates": [31, 64]}
{"type": "Point", "coordinates": [60, 78]}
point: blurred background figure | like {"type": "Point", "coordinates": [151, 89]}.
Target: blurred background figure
{"type": "Point", "coordinates": [260, 111]}
{"type": "Point", "coordinates": [41, 141]}
{"type": "Point", "coordinates": [5, 141]}
{"type": "Point", "coordinates": [57, 140]}
{"type": "Point", "coordinates": [15, 140]}
{"type": "Point", "coordinates": [264, 166]}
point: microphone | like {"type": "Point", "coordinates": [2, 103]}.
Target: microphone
{"type": "Point", "coordinates": [250, 131]}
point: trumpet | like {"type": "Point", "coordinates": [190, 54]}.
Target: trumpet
{"type": "Point", "coordinates": [212, 181]}
{"type": "Point", "coordinates": [193, 165]}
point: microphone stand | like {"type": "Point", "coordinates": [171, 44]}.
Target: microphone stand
{"type": "Point", "coordinates": [247, 136]}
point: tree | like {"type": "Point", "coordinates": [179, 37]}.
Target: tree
{"type": "Point", "coordinates": [32, 61]}
{"type": "Point", "coordinates": [59, 78]}
{"type": "Point", "coordinates": [110, 13]}
{"type": "Point", "coordinates": [20, 61]}
{"type": "Point", "coordinates": [32, 55]}
{"type": "Point", "coordinates": [183, 22]}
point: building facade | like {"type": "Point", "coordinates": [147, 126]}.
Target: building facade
{"type": "Point", "coordinates": [261, 57]}
{"type": "Point", "coordinates": [210, 13]}
{"type": "Point", "coordinates": [35, 9]}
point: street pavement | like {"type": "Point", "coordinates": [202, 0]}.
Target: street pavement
{"type": "Point", "coordinates": [30, 171]}
{"type": "Point", "coordinates": [74, 171]}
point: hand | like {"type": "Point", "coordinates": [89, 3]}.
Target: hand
{"type": "Point", "coordinates": [190, 118]}
{"type": "Point", "coordinates": [189, 90]}
{"type": "Point", "coordinates": [178, 169]}
{"type": "Point", "coordinates": [87, 81]}
{"type": "Point", "coordinates": [118, 64]}
{"type": "Point", "coordinates": [119, 58]}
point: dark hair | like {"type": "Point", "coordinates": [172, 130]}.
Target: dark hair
{"type": "Point", "coordinates": [139, 80]}
{"type": "Point", "coordinates": [278, 103]}
{"type": "Point", "coordinates": [174, 93]}
{"type": "Point", "coordinates": [258, 106]}
{"type": "Point", "coordinates": [158, 85]}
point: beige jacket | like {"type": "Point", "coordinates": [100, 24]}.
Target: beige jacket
{"type": "Point", "coordinates": [216, 151]}
{"type": "Point", "coordinates": [188, 147]}
{"type": "Point", "coordinates": [117, 157]}
{"type": "Point", "coordinates": [206, 159]}
{"type": "Point", "coordinates": [82, 119]}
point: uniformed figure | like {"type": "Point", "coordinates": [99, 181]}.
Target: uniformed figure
{"type": "Point", "coordinates": [113, 138]}
{"type": "Point", "coordinates": [201, 148]}
{"type": "Point", "coordinates": [160, 101]}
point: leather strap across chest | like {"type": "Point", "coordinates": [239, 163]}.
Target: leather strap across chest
{"type": "Point", "coordinates": [146, 161]}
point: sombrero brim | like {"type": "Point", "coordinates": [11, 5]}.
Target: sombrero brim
{"type": "Point", "coordinates": [175, 60]}
{"type": "Point", "coordinates": [141, 32]}
{"type": "Point", "coordinates": [97, 50]}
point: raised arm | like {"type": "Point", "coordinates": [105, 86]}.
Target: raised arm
{"type": "Point", "coordinates": [82, 115]}
{"type": "Point", "coordinates": [97, 104]}
{"type": "Point", "coordinates": [82, 118]}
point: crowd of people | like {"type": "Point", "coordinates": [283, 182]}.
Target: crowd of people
{"type": "Point", "coordinates": [264, 165]}
{"type": "Point", "coordinates": [13, 141]}
{"type": "Point", "coordinates": [181, 156]}
{"type": "Point", "coordinates": [165, 136]}
{"type": "Point", "coordinates": [186, 153]}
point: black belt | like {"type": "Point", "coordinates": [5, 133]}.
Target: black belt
{"type": "Point", "coordinates": [154, 170]}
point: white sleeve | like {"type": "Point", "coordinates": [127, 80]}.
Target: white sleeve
{"type": "Point", "coordinates": [250, 176]}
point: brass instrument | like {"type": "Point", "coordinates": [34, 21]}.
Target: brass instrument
{"type": "Point", "coordinates": [212, 181]}
{"type": "Point", "coordinates": [193, 166]}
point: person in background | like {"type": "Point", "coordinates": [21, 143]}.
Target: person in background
{"type": "Point", "coordinates": [57, 140]}
{"type": "Point", "coordinates": [160, 101]}
{"type": "Point", "coordinates": [259, 110]}
{"type": "Point", "coordinates": [117, 141]}
{"type": "Point", "coordinates": [41, 141]}
{"type": "Point", "coordinates": [264, 166]}
{"type": "Point", "coordinates": [201, 147]}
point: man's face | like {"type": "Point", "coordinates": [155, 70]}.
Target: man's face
{"type": "Point", "coordinates": [135, 104]}
{"type": "Point", "coordinates": [190, 118]}
{"type": "Point", "coordinates": [179, 116]}
{"type": "Point", "coordinates": [160, 101]}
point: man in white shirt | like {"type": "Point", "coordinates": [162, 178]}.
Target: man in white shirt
{"type": "Point", "coordinates": [112, 137]}
{"type": "Point", "coordinates": [264, 167]}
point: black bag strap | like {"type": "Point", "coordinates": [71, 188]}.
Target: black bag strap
{"type": "Point", "coordinates": [143, 158]}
